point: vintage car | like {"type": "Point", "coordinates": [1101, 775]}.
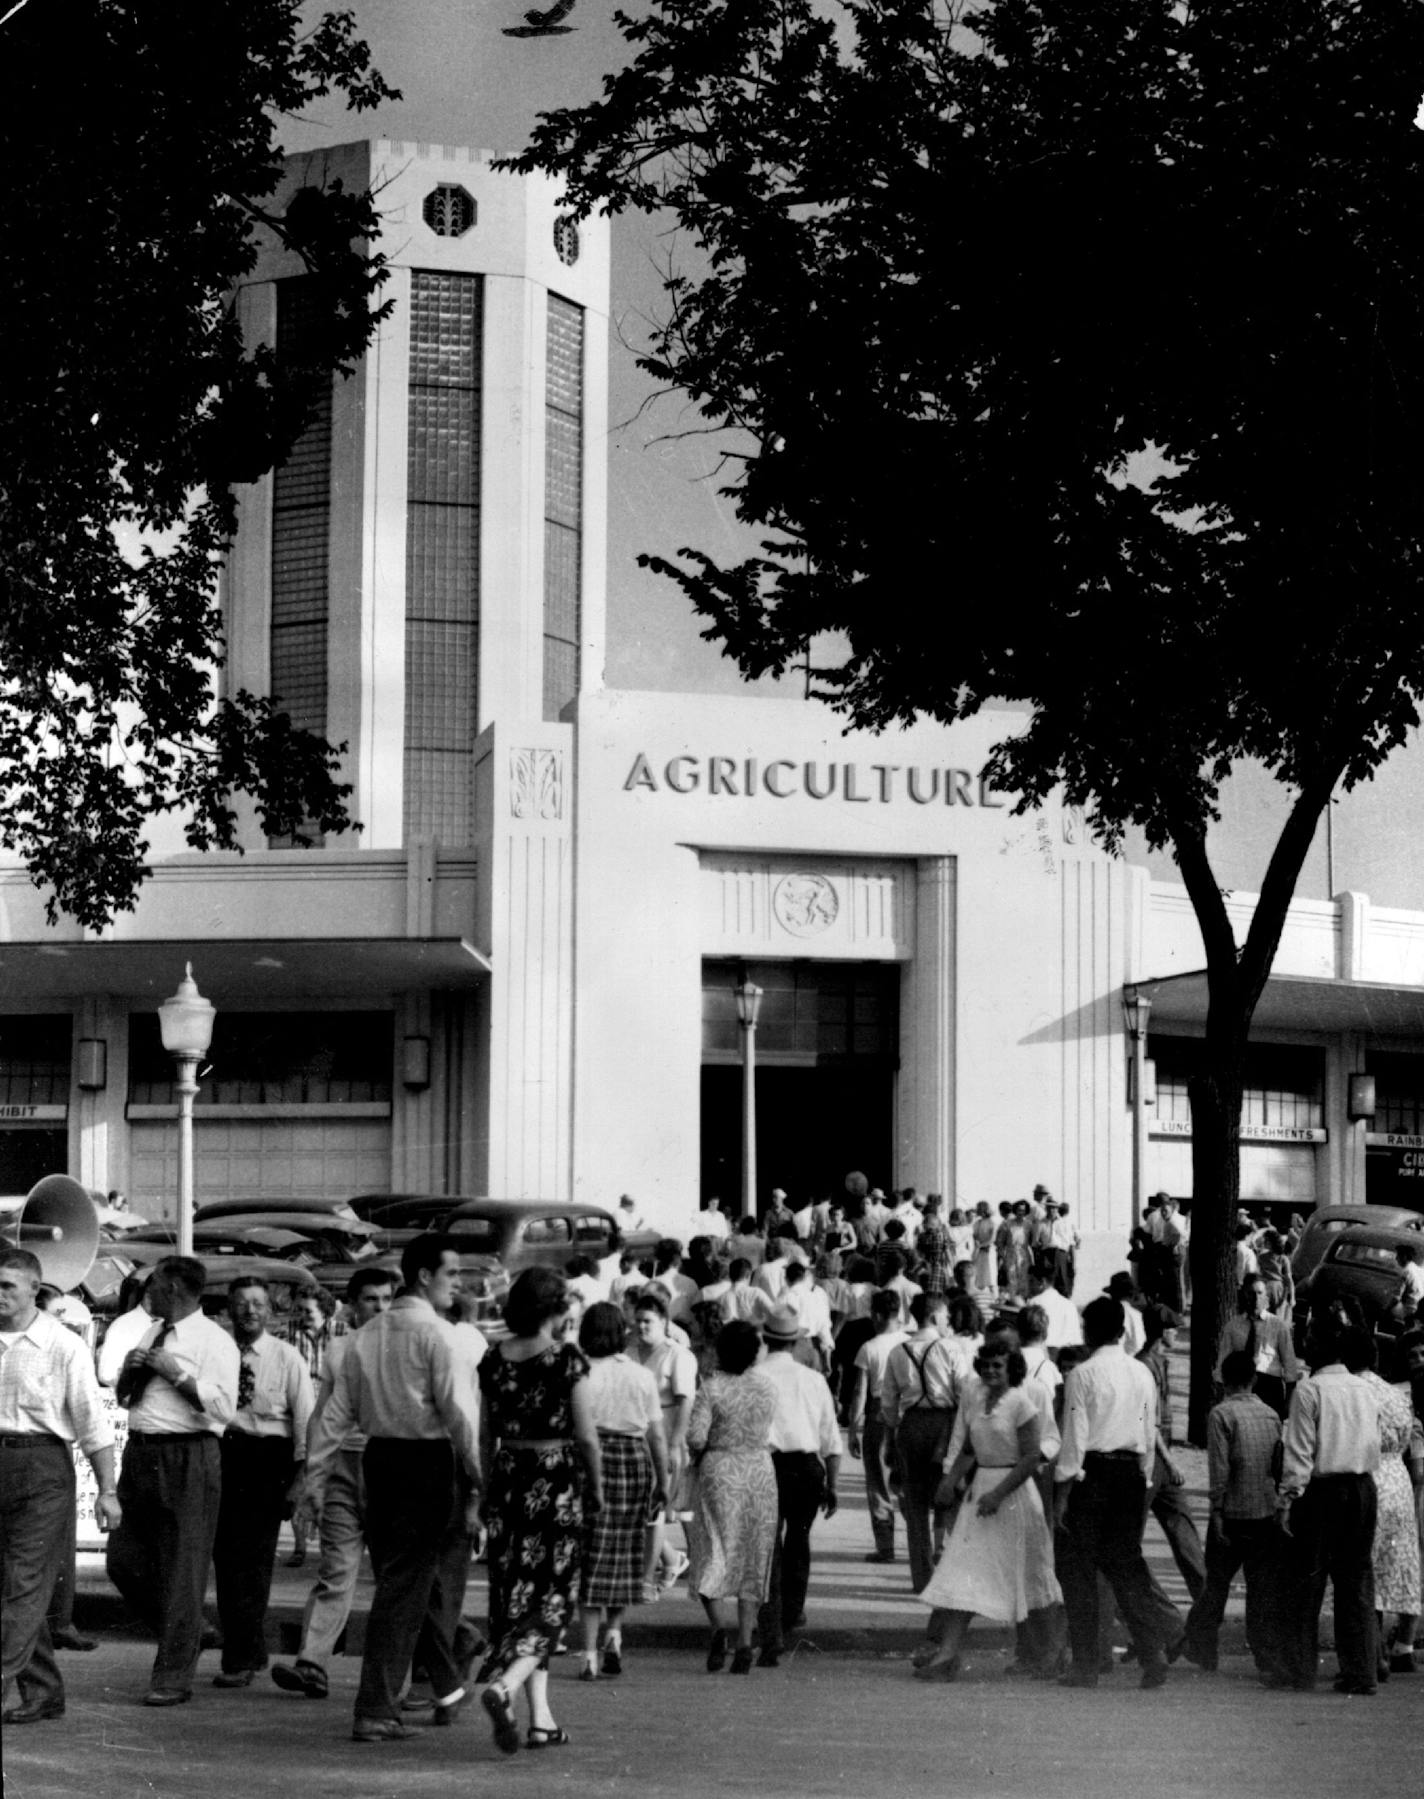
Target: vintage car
{"type": "Point", "coordinates": [1328, 1221]}
{"type": "Point", "coordinates": [1360, 1263]}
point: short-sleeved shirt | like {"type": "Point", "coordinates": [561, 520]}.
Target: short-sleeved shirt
{"type": "Point", "coordinates": [872, 1358]}
{"type": "Point", "coordinates": [673, 1368]}
{"type": "Point", "coordinates": [623, 1396]}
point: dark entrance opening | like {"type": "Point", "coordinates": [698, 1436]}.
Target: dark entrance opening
{"type": "Point", "coordinates": [27, 1156]}
{"type": "Point", "coordinates": [827, 1050]}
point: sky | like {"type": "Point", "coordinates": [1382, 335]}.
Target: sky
{"type": "Point", "coordinates": [464, 82]}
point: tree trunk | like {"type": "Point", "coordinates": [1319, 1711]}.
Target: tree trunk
{"type": "Point", "coordinates": [1216, 1095]}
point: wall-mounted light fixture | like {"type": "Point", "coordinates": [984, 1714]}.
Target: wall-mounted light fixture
{"type": "Point", "coordinates": [91, 1065]}
{"type": "Point", "coordinates": [1360, 1103]}
{"type": "Point", "coordinates": [415, 1063]}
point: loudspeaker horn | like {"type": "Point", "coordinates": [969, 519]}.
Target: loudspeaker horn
{"type": "Point", "coordinates": [57, 1221]}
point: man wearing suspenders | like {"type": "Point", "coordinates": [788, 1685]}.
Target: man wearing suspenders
{"type": "Point", "coordinates": [919, 1398]}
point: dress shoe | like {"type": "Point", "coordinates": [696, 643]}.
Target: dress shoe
{"type": "Point", "coordinates": [768, 1658]}
{"type": "Point", "coordinates": [943, 1668]}
{"type": "Point", "coordinates": [1401, 1661]}
{"type": "Point", "coordinates": [33, 1711]}
{"type": "Point", "coordinates": [1357, 1689]}
{"type": "Point", "coordinates": [238, 1677]}
{"type": "Point", "coordinates": [445, 1711]}
{"type": "Point", "coordinates": [167, 1696]}
{"type": "Point", "coordinates": [742, 1659]}
{"type": "Point", "coordinates": [1154, 1673]}
{"type": "Point", "coordinates": [381, 1730]}
{"type": "Point", "coordinates": [1079, 1677]}
{"type": "Point", "coordinates": [67, 1637]}
{"type": "Point", "coordinates": [305, 1678]}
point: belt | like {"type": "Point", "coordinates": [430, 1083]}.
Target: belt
{"type": "Point", "coordinates": [997, 1467]}
{"type": "Point", "coordinates": [30, 1439]}
{"type": "Point", "coordinates": [170, 1436]}
{"type": "Point", "coordinates": [1112, 1455]}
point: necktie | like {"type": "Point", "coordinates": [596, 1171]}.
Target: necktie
{"type": "Point", "coordinates": [1251, 1339]}
{"type": "Point", "coordinates": [132, 1386]}
{"type": "Point", "coordinates": [246, 1384]}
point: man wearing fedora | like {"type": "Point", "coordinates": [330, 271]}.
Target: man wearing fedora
{"type": "Point", "coordinates": [805, 1443]}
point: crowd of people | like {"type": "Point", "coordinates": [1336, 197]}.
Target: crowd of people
{"type": "Point", "coordinates": [644, 1422]}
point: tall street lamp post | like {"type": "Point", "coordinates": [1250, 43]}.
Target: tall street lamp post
{"type": "Point", "coordinates": [1136, 1006]}
{"type": "Point", "coordinates": [748, 1005]}
{"type": "Point", "coordinates": [186, 1023]}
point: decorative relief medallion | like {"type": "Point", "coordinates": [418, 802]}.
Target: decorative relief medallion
{"type": "Point", "coordinates": [805, 905]}
{"type": "Point", "coordinates": [536, 784]}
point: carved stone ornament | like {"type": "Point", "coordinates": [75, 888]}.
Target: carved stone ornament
{"type": "Point", "coordinates": [536, 784]}
{"type": "Point", "coordinates": [805, 905]}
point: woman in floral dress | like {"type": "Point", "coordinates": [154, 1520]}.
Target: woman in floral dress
{"type": "Point", "coordinates": [733, 1528]}
{"type": "Point", "coordinates": [540, 1451]}
{"type": "Point", "coordinates": [1396, 1549]}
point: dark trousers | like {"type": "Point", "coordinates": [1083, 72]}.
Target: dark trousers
{"type": "Point", "coordinates": [1252, 1545]}
{"type": "Point", "coordinates": [61, 1605]}
{"type": "Point", "coordinates": [420, 1551]}
{"type": "Point", "coordinates": [800, 1488]}
{"type": "Point", "coordinates": [1059, 1263]}
{"type": "Point", "coordinates": [169, 1492]}
{"type": "Point", "coordinates": [1168, 1505]}
{"type": "Point", "coordinates": [877, 1480]}
{"type": "Point", "coordinates": [920, 1443]}
{"type": "Point", "coordinates": [1102, 1533]}
{"type": "Point", "coordinates": [256, 1473]}
{"type": "Point", "coordinates": [36, 1526]}
{"type": "Point", "coordinates": [1332, 1538]}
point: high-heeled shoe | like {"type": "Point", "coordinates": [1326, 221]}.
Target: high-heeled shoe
{"type": "Point", "coordinates": [742, 1659]}
{"type": "Point", "coordinates": [717, 1652]}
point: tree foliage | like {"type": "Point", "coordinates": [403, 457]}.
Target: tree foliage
{"type": "Point", "coordinates": [140, 148]}
{"type": "Point", "coordinates": [1069, 355]}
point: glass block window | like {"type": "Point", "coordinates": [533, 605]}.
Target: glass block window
{"type": "Point", "coordinates": [449, 211]}
{"type": "Point", "coordinates": [301, 501]}
{"type": "Point", "coordinates": [34, 1059]}
{"type": "Point", "coordinates": [1284, 1085]}
{"type": "Point", "coordinates": [812, 1013]}
{"type": "Point", "coordinates": [563, 503]}
{"type": "Point", "coordinates": [442, 555]}
{"type": "Point", "coordinates": [273, 1058]}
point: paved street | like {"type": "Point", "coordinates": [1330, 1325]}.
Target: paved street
{"type": "Point", "coordinates": [841, 1716]}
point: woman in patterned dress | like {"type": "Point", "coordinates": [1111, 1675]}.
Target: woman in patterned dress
{"type": "Point", "coordinates": [1396, 1549]}
{"type": "Point", "coordinates": [629, 1419]}
{"type": "Point", "coordinates": [733, 1528]}
{"type": "Point", "coordinates": [544, 1477]}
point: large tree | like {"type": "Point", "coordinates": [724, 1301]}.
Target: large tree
{"type": "Point", "coordinates": [140, 146]}
{"type": "Point", "coordinates": [1068, 355]}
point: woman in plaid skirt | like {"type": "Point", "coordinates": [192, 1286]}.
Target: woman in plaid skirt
{"type": "Point", "coordinates": [623, 1398]}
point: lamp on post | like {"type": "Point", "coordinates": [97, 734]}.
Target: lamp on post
{"type": "Point", "coordinates": [1136, 1008]}
{"type": "Point", "coordinates": [186, 1023]}
{"type": "Point", "coordinates": [748, 1005]}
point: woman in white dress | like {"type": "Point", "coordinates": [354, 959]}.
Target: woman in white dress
{"type": "Point", "coordinates": [998, 1562]}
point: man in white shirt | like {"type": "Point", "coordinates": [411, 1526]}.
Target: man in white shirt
{"type": "Point", "coordinates": [404, 1382]}
{"type": "Point", "coordinates": [681, 1290]}
{"type": "Point", "coordinates": [811, 1306]}
{"type": "Point", "coordinates": [49, 1400]}
{"type": "Point", "coordinates": [742, 1301]}
{"type": "Point", "coordinates": [919, 1399]}
{"type": "Point", "coordinates": [674, 1367]}
{"type": "Point", "coordinates": [342, 1506]}
{"type": "Point", "coordinates": [127, 1331]}
{"type": "Point", "coordinates": [264, 1452]}
{"type": "Point", "coordinates": [805, 1444]}
{"type": "Point", "coordinates": [712, 1221]}
{"type": "Point", "coordinates": [1100, 1500]}
{"type": "Point", "coordinates": [180, 1387]}
{"type": "Point", "coordinates": [1065, 1325]}
{"type": "Point", "coordinates": [1327, 1506]}
{"type": "Point", "coordinates": [867, 1427]}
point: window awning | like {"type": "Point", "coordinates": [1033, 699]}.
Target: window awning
{"type": "Point", "coordinates": [1296, 1003]}
{"type": "Point", "coordinates": [255, 968]}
